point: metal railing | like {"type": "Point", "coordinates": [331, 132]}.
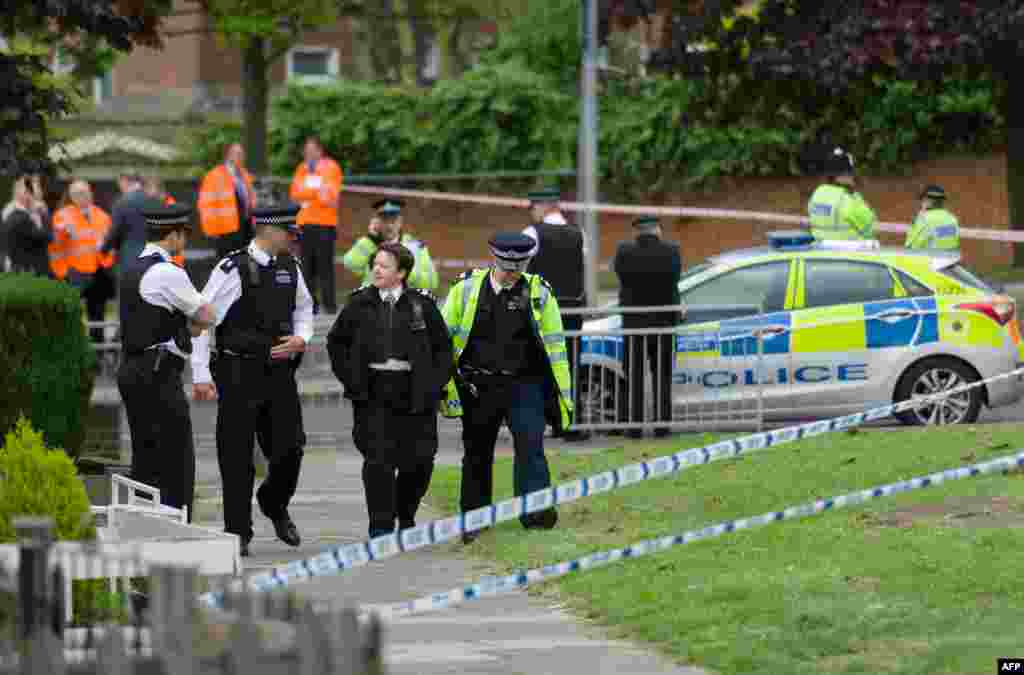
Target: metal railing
{"type": "Point", "coordinates": [157, 626]}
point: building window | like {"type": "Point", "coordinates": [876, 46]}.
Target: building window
{"type": "Point", "coordinates": [312, 63]}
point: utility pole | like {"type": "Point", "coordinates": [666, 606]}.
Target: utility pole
{"type": "Point", "coordinates": [587, 150]}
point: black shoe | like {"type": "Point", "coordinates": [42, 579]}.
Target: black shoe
{"type": "Point", "coordinates": [243, 549]}
{"type": "Point", "coordinates": [575, 436]}
{"type": "Point", "coordinates": [469, 537]}
{"type": "Point", "coordinates": [543, 520]}
{"type": "Point", "coordinates": [286, 531]}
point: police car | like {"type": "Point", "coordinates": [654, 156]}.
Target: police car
{"type": "Point", "coordinates": [844, 326]}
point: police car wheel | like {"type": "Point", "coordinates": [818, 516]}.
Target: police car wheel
{"type": "Point", "coordinates": [935, 376]}
{"type": "Point", "coordinates": [596, 388]}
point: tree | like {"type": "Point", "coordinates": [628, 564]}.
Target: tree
{"type": "Point", "coordinates": [832, 49]}
{"type": "Point", "coordinates": [264, 31]}
{"type": "Point", "coordinates": [31, 95]}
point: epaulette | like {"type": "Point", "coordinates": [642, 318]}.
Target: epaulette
{"type": "Point", "coordinates": [361, 289]}
{"type": "Point", "coordinates": [427, 292]}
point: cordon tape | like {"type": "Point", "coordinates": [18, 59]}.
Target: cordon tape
{"type": "Point", "coordinates": [336, 560]}
{"type": "Point", "coordinates": [664, 211]}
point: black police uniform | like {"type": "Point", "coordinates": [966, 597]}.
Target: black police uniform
{"type": "Point", "coordinates": [258, 395]}
{"type": "Point", "coordinates": [149, 379]}
{"type": "Point", "coordinates": [649, 270]}
{"type": "Point", "coordinates": [504, 377]}
{"type": "Point", "coordinates": [394, 359]}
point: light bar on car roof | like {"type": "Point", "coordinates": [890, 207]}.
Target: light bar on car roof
{"type": "Point", "coordinates": [790, 239]}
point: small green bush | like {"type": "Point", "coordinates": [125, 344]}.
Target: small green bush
{"type": "Point", "coordinates": [47, 364]}
{"type": "Point", "coordinates": [38, 481]}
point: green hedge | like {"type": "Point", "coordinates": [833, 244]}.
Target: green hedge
{"type": "Point", "coordinates": [47, 365]}
{"type": "Point", "coordinates": [38, 481]}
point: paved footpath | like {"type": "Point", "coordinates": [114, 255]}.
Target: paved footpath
{"type": "Point", "coordinates": [509, 635]}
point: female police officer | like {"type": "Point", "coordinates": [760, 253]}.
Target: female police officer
{"type": "Point", "coordinates": [390, 349]}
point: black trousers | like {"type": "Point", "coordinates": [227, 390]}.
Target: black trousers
{"type": "Point", "coordinates": [520, 404]}
{"type": "Point", "coordinates": [659, 351]}
{"type": "Point", "coordinates": [398, 449]}
{"type": "Point", "coordinates": [163, 454]}
{"type": "Point", "coordinates": [231, 242]}
{"type": "Point", "coordinates": [318, 252]}
{"type": "Point", "coordinates": [259, 400]}
{"type": "Point", "coordinates": [96, 289]}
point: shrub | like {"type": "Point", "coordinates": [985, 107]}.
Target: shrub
{"type": "Point", "coordinates": [46, 360]}
{"type": "Point", "coordinates": [38, 481]}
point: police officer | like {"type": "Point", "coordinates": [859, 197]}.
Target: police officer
{"type": "Point", "coordinates": [648, 270]}
{"type": "Point", "coordinates": [934, 227]}
{"type": "Point", "coordinates": [510, 353]}
{"type": "Point", "coordinates": [160, 312]}
{"type": "Point", "coordinates": [561, 249]}
{"type": "Point", "coordinates": [391, 350]}
{"type": "Point", "coordinates": [836, 210]}
{"type": "Point", "coordinates": [387, 227]}
{"type": "Point", "coordinates": [264, 319]}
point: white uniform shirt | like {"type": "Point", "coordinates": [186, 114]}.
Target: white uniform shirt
{"type": "Point", "coordinates": [167, 285]}
{"type": "Point", "coordinates": [223, 289]}
{"type": "Point", "coordinates": [552, 219]}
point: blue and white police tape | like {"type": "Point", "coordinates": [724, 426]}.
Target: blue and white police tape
{"type": "Point", "coordinates": [337, 559]}
{"type": "Point", "coordinates": [491, 586]}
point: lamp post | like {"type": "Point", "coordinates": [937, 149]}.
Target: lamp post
{"type": "Point", "coordinates": [587, 149]}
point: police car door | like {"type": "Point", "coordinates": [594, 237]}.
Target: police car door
{"type": "Point", "coordinates": [732, 353]}
{"type": "Point", "coordinates": [851, 319]}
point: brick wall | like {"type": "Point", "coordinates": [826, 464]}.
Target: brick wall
{"type": "Point", "coordinates": [977, 189]}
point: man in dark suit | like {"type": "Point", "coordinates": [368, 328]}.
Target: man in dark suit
{"type": "Point", "coordinates": [649, 270]}
{"type": "Point", "coordinates": [128, 227]}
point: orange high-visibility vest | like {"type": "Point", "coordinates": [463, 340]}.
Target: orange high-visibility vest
{"type": "Point", "coordinates": [77, 241]}
{"type": "Point", "coordinates": [318, 192]}
{"type": "Point", "coordinates": [218, 206]}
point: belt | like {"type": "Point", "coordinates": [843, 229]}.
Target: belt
{"type": "Point", "coordinates": [394, 365]}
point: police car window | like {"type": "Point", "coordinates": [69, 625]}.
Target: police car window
{"type": "Point", "coordinates": [913, 287]}
{"type": "Point", "coordinates": [763, 285]}
{"type": "Point", "coordinates": [965, 276]}
{"type": "Point", "coordinates": [841, 282]}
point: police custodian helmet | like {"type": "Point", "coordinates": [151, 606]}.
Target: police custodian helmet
{"type": "Point", "coordinates": [281, 215]}
{"type": "Point", "coordinates": [512, 250]}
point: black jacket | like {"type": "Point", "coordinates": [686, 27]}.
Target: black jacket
{"type": "Point", "coordinates": [354, 337]}
{"type": "Point", "coordinates": [649, 270]}
{"type": "Point", "coordinates": [27, 245]}
{"type": "Point", "coordinates": [127, 226]}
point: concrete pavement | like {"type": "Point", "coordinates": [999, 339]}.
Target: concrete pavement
{"type": "Point", "coordinates": [507, 635]}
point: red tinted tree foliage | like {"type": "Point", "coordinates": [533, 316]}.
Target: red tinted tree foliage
{"type": "Point", "coordinates": [25, 104]}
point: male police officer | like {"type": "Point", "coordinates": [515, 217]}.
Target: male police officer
{"type": "Point", "coordinates": [836, 209]}
{"type": "Point", "coordinates": [160, 311]}
{"type": "Point", "coordinates": [510, 353]}
{"type": "Point", "coordinates": [561, 248]}
{"type": "Point", "coordinates": [648, 271]}
{"type": "Point", "coordinates": [934, 227]}
{"type": "Point", "coordinates": [264, 319]}
{"type": "Point", "coordinates": [386, 227]}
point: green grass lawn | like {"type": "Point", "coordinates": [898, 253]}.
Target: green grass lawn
{"type": "Point", "coordinates": [861, 590]}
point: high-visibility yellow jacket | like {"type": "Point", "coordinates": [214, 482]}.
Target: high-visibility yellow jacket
{"type": "Point", "coordinates": [423, 274]}
{"type": "Point", "coordinates": [459, 312]}
{"type": "Point", "coordinates": [837, 213]}
{"type": "Point", "coordinates": [935, 228]}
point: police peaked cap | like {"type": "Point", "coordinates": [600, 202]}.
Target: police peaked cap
{"type": "Point", "coordinates": [161, 219]}
{"type": "Point", "coordinates": [646, 222]}
{"type": "Point", "coordinates": [512, 246]}
{"type": "Point", "coordinates": [549, 194]}
{"type": "Point", "coordinates": [933, 192]}
{"type": "Point", "coordinates": [388, 207]}
{"type": "Point", "coordinates": [282, 215]}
